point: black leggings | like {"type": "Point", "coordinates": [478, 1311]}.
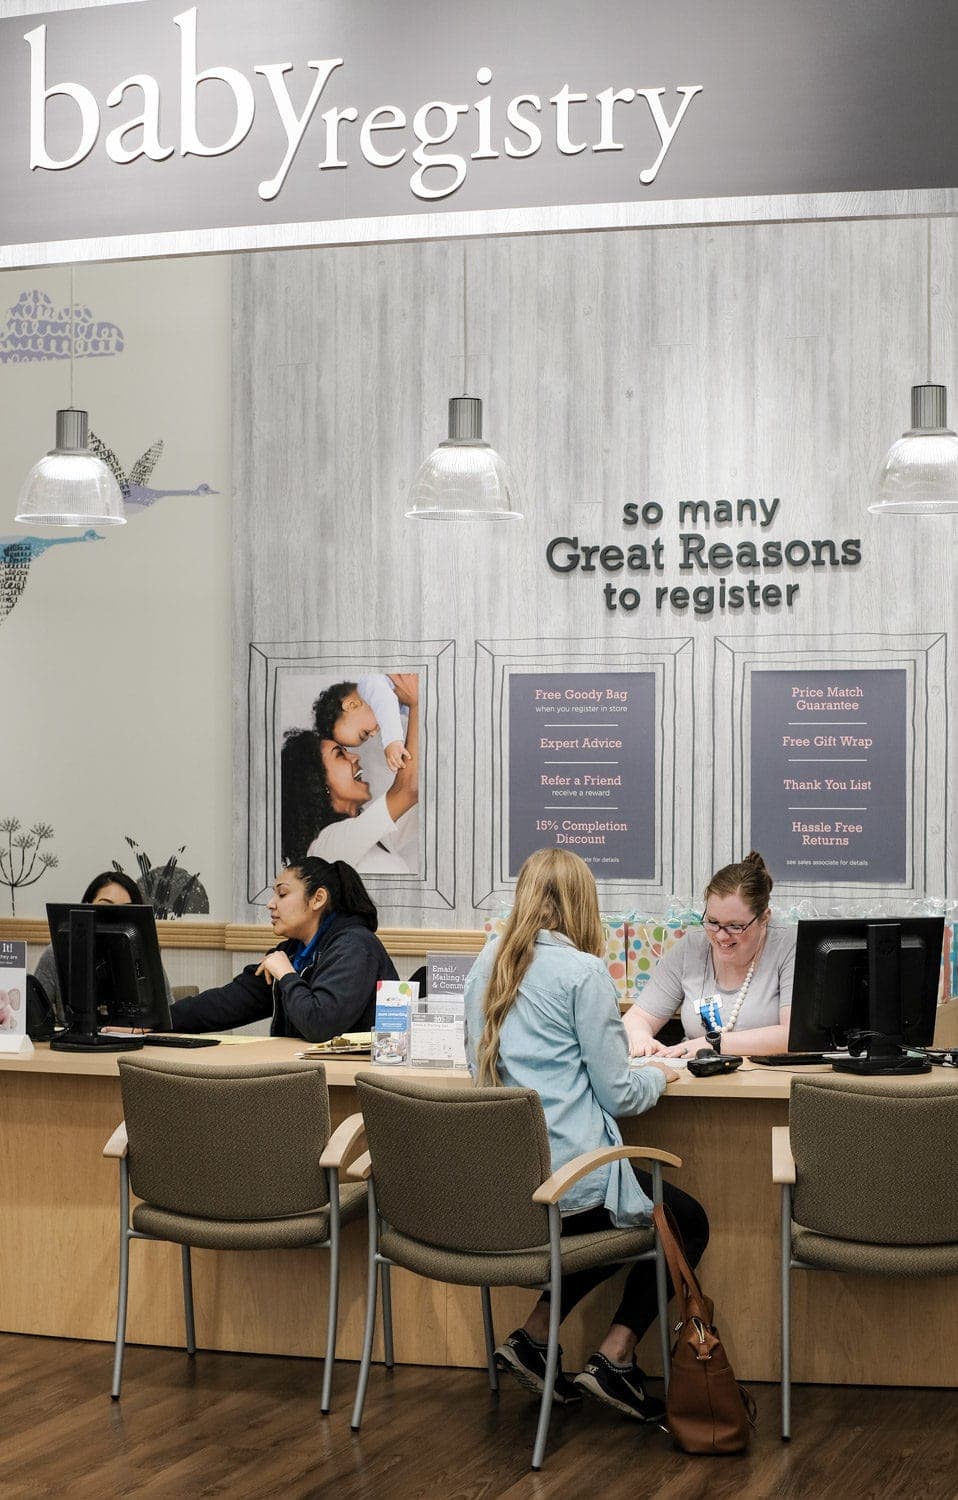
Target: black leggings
{"type": "Point", "coordinates": [638, 1308]}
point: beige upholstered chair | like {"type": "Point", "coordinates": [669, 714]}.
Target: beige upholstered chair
{"type": "Point", "coordinates": [461, 1189]}
{"type": "Point", "coordinates": [184, 991]}
{"type": "Point", "coordinates": [229, 1158]}
{"type": "Point", "coordinates": [869, 1177]}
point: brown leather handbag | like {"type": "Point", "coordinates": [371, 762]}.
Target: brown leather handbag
{"type": "Point", "coordinates": [707, 1410]}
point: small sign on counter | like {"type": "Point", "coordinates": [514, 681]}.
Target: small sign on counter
{"type": "Point", "coordinates": [438, 1020]}
{"type": "Point", "coordinates": [391, 1030]}
{"type": "Point", "coordinates": [13, 1000]}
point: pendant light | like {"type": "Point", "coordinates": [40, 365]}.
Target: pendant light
{"type": "Point", "coordinates": [464, 479]}
{"type": "Point", "coordinates": [919, 476]}
{"type": "Point", "coordinates": [70, 486]}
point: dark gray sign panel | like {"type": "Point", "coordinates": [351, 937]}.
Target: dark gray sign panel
{"type": "Point", "coordinates": [829, 785]}
{"type": "Point", "coordinates": [129, 120]}
{"type": "Point", "coordinates": [582, 769]}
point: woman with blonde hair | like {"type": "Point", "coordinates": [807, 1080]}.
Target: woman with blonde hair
{"type": "Point", "coordinates": [542, 1013]}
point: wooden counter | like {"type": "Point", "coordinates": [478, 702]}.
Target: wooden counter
{"type": "Point", "coordinates": [59, 1255]}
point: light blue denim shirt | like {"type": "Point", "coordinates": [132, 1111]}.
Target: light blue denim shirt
{"type": "Point", "coordinates": [564, 1038]}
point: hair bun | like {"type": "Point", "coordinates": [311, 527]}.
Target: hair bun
{"type": "Point", "coordinates": [750, 878]}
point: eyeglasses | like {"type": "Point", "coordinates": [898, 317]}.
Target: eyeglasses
{"type": "Point", "coordinates": [734, 929]}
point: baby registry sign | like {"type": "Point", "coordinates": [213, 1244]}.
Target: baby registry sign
{"type": "Point", "coordinates": [13, 999]}
{"type": "Point", "coordinates": [829, 774]}
{"type": "Point", "coordinates": [582, 769]}
{"type": "Point", "coordinates": [347, 120]}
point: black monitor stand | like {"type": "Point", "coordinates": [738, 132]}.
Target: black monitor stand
{"type": "Point", "coordinates": [81, 998]}
{"type": "Point", "coordinates": [884, 1052]}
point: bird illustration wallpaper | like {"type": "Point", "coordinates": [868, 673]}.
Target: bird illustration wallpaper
{"type": "Point", "coordinates": [115, 640]}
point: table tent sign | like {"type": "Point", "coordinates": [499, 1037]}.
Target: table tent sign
{"type": "Point", "coordinates": [13, 1000]}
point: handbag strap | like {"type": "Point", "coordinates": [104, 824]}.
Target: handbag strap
{"type": "Point", "coordinates": [683, 1277]}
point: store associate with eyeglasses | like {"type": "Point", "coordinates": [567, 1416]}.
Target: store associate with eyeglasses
{"type": "Point", "coordinates": [732, 977]}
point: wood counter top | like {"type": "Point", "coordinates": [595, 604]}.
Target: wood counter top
{"type": "Point", "coordinates": [751, 1081]}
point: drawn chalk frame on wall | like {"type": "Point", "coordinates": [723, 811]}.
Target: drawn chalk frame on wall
{"type": "Point", "coordinates": [911, 761]}
{"type": "Point", "coordinates": [662, 671]}
{"type": "Point", "coordinates": [286, 679]}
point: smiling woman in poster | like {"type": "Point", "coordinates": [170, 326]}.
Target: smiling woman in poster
{"type": "Point", "coordinates": [732, 976]}
{"type": "Point", "coordinates": [328, 809]}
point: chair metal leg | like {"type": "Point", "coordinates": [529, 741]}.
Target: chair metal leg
{"type": "Point", "coordinates": [332, 1314]}
{"type": "Point", "coordinates": [552, 1350]}
{"type": "Point", "coordinates": [188, 1299]}
{"type": "Point", "coordinates": [490, 1338]}
{"type": "Point", "coordinates": [384, 1270]}
{"type": "Point", "coordinates": [124, 1281]}
{"type": "Point", "coordinates": [786, 1368]}
{"type": "Point", "coordinates": [371, 1279]}
{"type": "Point", "coordinates": [661, 1285]}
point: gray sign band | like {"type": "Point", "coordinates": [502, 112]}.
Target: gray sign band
{"type": "Point", "coordinates": [269, 124]}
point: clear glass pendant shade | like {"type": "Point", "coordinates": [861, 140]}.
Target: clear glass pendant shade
{"type": "Point", "coordinates": [464, 479]}
{"type": "Point", "coordinates": [70, 486]}
{"type": "Point", "coordinates": [919, 475]}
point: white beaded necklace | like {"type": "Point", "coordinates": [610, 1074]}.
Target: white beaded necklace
{"type": "Point", "coordinates": [740, 997]}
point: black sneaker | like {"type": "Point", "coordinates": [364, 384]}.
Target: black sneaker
{"type": "Point", "coordinates": [623, 1390]}
{"type": "Point", "coordinates": [526, 1360]}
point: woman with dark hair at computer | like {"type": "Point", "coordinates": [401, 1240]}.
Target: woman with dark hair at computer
{"type": "Point", "coordinates": [110, 888]}
{"type": "Point", "coordinates": [113, 888]}
{"type": "Point", "coordinates": [732, 976]}
{"type": "Point", "coordinates": [321, 979]}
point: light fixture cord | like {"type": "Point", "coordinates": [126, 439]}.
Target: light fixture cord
{"type": "Point", "coordinates": [73, 332]}
{"type": "Point", "coordinates": [928, 296]}
{"type": "Point", "coordinates": [465, 319]}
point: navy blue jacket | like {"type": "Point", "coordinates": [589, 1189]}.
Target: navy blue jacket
{"type": "Point", "coordinates": [335, 993]}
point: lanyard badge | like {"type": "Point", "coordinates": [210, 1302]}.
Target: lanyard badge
{"type": "Point", "coordinates": [710, 1010]}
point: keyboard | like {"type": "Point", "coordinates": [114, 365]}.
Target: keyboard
{"type": "Point", "coordinates": [171, 1039]}
{"type": "Point", "coordinates": [790, 1059]}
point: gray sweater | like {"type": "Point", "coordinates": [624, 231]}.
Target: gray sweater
{"type": "Point", "coordinates": [686, 975]}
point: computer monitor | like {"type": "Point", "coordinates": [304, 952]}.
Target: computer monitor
{"type": "Point", "coordinates": [110, 973]}
{"type": "Point", "coordinates": [867, 984]}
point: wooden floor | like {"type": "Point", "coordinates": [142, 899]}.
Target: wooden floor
{"type": "Point", "coordinates": [246, 1426]}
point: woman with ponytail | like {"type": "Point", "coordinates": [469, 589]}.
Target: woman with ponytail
{"type": "Point", "coordinates": [321, 980]}
{"type": "Point", "coordinates": [542, 1013]}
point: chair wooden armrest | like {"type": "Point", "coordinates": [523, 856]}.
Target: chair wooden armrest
{"type": "Point", "coordinates": [556, 1186]}
{"type": "Point", "coordinates": [117, 1144]}
{"type": "Point", "coordinates": [345, 1143]}
{"type": "Point", "coordinates": [783, 1162]}
{"type": "Point", "coordinates": [361, 1168]}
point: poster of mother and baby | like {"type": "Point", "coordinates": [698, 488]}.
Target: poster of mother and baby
{"type": "Point", "coordinates": [350, 770]}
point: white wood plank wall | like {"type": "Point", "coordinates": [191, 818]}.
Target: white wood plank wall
{"type": "Point", "coordinates": [668, 364]}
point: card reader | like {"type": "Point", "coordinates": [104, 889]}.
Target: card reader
{"type": "Point", "coordinates": [708, 1064]}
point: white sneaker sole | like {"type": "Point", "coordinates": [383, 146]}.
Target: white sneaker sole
{"type": "Point", "coordinates": [508, 1360]}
